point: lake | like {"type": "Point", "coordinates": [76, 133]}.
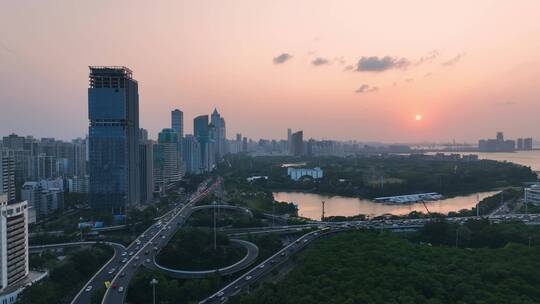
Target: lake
{"type": "Point", "coordinates": [309, 204]}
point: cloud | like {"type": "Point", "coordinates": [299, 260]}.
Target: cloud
{"type": "Point", "coordinates": [282, 58]}
{"type": "Point", "coordinates": [366, 89]}
{"type": "Point", "coordinates": [430, 57]}
{"type": "Point", "coordinates": [376, 64]}
{"type": "Point", "coordinates": [320, 61]}
{"type": "Point", "coordinates": [340, 59]}
{"type": "Point", "coordinates": [452, 61]}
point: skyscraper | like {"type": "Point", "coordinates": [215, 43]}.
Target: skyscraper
{"type": "Point", "coordinates": [191, 154]}
{"type": "Point", "coordinates": [167, 159]}
{"type": "Point", "coordinates": [146, 158]}
{"type": "Point", "coordinates": [177, 124]}
{"type": "Point", "coordinates": [220, 134]}
{"type": "Point", "coordinates": [113, 111]}
{"type": "Point", "coordinates": [289, 143]}
{"type": "Point", "coordinates": [7, 175]}
{"type": "Point", "coordinates": [202, 133]}
{"type": "Point", "coordinates": [297, 142]}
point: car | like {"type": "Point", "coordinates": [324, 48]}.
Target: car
{"type": "Point", "coordinates": [248, 278]}
{"type": "Point", "coordinates": [113, 286]}
{"type": "Point", "coordinates": [131, 253]}
{"type": "Point", "coordinates": [124, 260]}
{"type": "Point", "coordinates": [305, 241]}
{"type": "Point", "coordinates": [146, 252]}
{"type": "Point", "coordinates": [123, 274]}
{"type": "Point", "coordinates": [163, 237]}
{"type": "Point", "coordinates": [124, 253]}
{"type": "Point", "coordinates": [262, 266]}
{"type": "Point", "coordinates": [272, 261]}
{"type": "Point", "coordinates": [89, 288]}
{"type": "Point", "coordinates": [155, 248]}
{"type": "Point", "coordinates": [121, 289]}
{"type": "Point", "coordinates": [136, 258]}
{"type": "Point", "coordinates": [282, 254]}
{"type": "Point", "coordinates": [147, 260]}
{"type": "Point", "coordinates": [220, 294]}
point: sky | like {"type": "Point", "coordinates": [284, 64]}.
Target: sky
{"type": "Point", "coordinates": [360, 70]}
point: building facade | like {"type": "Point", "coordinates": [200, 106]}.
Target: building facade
{"type": "Point", "coordinates": [7, 175]}
{"type": "Point", "coordinates": [532, 195]}
{"type": "Point", "coordinates": [113, 111]}
{"type": "Point", "coordinates": [13, 242]}
{"type": "Point", "coordinates": [167, 164]}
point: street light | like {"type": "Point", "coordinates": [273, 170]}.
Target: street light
{"type": "Point", "coordinates": [154, 283]}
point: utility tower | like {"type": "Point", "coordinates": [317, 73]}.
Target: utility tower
{"type": "Point", "coordinates": [322, 217]}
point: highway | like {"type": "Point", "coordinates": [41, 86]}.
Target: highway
{"type": "Point", "coordinates": [148, 245]}
{"type": "Point", "coordinates": [120, 269]}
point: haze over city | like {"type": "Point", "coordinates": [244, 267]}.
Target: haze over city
{"type": "Point", "coordinates": [371, 71]}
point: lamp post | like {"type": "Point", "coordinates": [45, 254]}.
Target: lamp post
{"type": "Point", "coordinates": [154, 283]}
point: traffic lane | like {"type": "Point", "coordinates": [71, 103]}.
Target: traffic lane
{"type": "Point", "coordinates": [126, 278]}
{"type": "Point", "coordinates": [84, 296]}
{"type": "Point", "coordinates": [118, 297]}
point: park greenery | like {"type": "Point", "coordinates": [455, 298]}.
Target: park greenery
{"type": "Point", "coordinates": [193, 249]}
{"type": "Point", "coordinates": [375, 176]}
{"type": "Point", "coordinates": [66, 276]}
{"type": "Point", "coordinates": [492, 263]}
{"type": "Point", "coordinates": [170, 290]}
{"type": "Point", "coordinates": [224, 218]}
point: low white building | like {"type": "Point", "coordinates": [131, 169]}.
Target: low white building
{"type": "Point", "coordinates": [532, 194]}
{"type": "Point", "coordinates": [297, 173]}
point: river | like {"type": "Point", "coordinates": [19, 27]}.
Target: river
{"type": "Point", "coordinates": [309, 204]}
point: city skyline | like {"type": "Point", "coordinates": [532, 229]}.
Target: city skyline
{"type": "Point", "coordinates": [337, 74]}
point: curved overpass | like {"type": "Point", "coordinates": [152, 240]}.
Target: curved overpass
{"type": "Point", "coordinates": [246, 261]}
{"type": "Point", "coordinates": [228, 207]}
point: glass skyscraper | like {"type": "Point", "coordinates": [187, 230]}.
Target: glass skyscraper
{"type": "Point", "coordinates": [113, 111]}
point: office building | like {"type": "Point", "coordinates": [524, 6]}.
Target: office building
{"type": "Point", "coordinates": [146, 158]}
{"type": "Point", "coordinates": [289, 142]}
{"type": "Point", "coordinates": [525, 144]}
{"type": "Point", "coordinates": [7, 175]}
{"type": "Point", "coordinates": [166, 160]}
{"type": "Point", "coordinates": [496, 145]}
{"type": "Point", "coordinates": [177, 124]}
{"type": "Point", "coordinates": [297, 143]}
{"type": "Point", "coordinates": [191, 154]}
{"type": "Point", "coordinates": [201, 131]}
{"type": "Point", "coordinates": [220, 134]}
{"type": "Point", "coordinates": [79, 157]}
{"type": "Point", "coordinates": [113, 140]}
{"type": "Point", "coordinates": [14, 242]}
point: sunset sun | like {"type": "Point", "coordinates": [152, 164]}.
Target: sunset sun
{"type": "Point", "coordinates": [418, 117]}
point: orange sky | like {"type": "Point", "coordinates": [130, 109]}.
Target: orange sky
{"type": "Point", "coordinates": [470, 68]}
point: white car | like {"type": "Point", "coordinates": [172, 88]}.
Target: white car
{"type": "Point", "coordinates": [87, 289]}
{"type": "Point", "coordinates": [121, 289]}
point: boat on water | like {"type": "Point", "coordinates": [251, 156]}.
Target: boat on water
{"type": "Point", "coordinates": [409, 198]}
